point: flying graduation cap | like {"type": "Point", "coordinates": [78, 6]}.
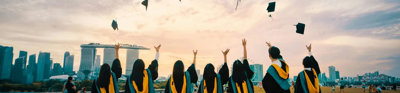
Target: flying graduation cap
{"type": "Point", "coordinates": [114, 25]}
{"type": "Point", "coordinates": [271, 7]}
{"type": "Point", "coordinates": [300, 28]}
{"type": "Point", "coordinates": [145, 3]}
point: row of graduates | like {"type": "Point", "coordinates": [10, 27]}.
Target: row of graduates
{"type": "Point", "coordinates": [181, 80]}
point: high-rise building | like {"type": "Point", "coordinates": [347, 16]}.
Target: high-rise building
{"type": "Point", "coordinates": [66, 55]}
{"type": "Point", "coordinates": [6, 58]}
{"type": "Point", "coordinates": [131, 56]}
{"type": "Point", "coordinates": [332, 73]}
{"type": "Point", "coordinates": [57, 69]}
{"type": "Point", "coordinates": [23, 54]}
{"type": "Point", "coordinates": [87, 61]}
{"type": "Point", "coordinates": [43, 66]}
{"type": "Point", "coordinates": [17, 74]}
{"type": "Point", "coordinates": [258, 72]}
{"type": "Point", "coordinates": [337, 74]}
{"type": "Point", "coordinates": [68, 63]}
{"type": "Point", "coordinates": [31, 68]}
{"type": "Point", "coordinates": [109, 56]}
{"type": "Point", "coordinates": [324, 78]}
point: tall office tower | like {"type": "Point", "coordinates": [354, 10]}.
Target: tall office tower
{"type": "Point", "coordinates": [31, 68]}
{"type": "Point", "coordinates": [258, 72]}
{"type": "Point", "coordinates": [109, 56]}
{"type": "Point", "coordinates": [23, 54]}
{"type": "Point", "coordinates": [332, 73]}
{"type": "Point", "coordinates": [17, 74]}
{"type": "Point", "coordinates": [96, 65]}
{"type": "Point", "coordinates": [66, 55]}
{"type": "Point", "coordinates": [6, 58]}
{"type": "Point", "coordinates": [87, 61]}
{"type": "Point", "coordinates": [337, 74]}
{"type": "Point", "coordinates": [68, 64]}
{"type": "Point", "coordinates": [57, 69]}
{"type": "Point", "coordinates": [43, 68]}
{"type": "Point", "coordinates": [131, 56]}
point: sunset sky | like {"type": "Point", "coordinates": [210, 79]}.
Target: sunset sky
{"type": "Point", "coordinates": [356, 36]}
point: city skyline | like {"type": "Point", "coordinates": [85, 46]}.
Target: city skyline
{"type": "Point", "coordinates": [355, 36]}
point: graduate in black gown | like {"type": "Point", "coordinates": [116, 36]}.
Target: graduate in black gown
{"type": "Point", "coordinates": [307, 80]}
{"type": "Point", "coordinates": [213, 82]}
{"type": "Point", "coordinates": [181, 81]}
{"type": "Point", "coordinates": [107, 81]}
{"type": "Point", "coordinates": [141, 79]}
{"type": "Point", "coordinates": [240, 80]}
{"type": "Point", "coordinates": [277, 76]}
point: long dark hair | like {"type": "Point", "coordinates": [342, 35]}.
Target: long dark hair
{"type": "Point", "coordinates": [104, 77]}
{"type": "Point", "coordinates": [238, 74]}
{"type": "Point", "coordinates": [209, 72]}
{"type": "Point", "coordinates": [116, 68]}
{"type": "Point", "coordinates": [137, 72]}
{"type": "Point", "coordinates": [178, 70]}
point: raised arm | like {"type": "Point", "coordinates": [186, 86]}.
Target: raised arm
{"type": "Point", "coordinates": [224, 71]}
{"type": "Point", "coordinates": [315, 65]}
{"type": "Point", "coordinates": [157, 48]}
{"type": "Point", "coordinates": [244, 49]}
{"type": "Point", "coordinates": [269, 44]}
{"type": "Point", "coordinates": [194, 58]}
{"type": "Point", "coordinates": [116, 47]}
{"type": "Point", "coordinates": [153, 67]}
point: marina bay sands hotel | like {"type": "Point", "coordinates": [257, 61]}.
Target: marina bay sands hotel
{"type": "Point", "coordinates": [91, 62]}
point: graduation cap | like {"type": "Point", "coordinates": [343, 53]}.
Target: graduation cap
{"type": "Point", "coordinates": [300, 28]}
{"type": "Point", "coordinates": [114, 25]}
{"type": "Point", "coordinates": [271, 7]}
{"type": "Point", "coordinates": [145, 3]}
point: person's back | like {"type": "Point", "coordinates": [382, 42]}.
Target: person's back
{"type": "Point", "coordinates": [69, 86]}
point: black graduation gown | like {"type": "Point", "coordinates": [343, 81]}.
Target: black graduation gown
{"type": "Point", "coordinates": [297, 87]}
{"type": "Point", "coordinates": [270, 85]}
{"type": "Point", "coordinates": [154, 74]}
{"type": "Point", "coordinates": [117, 71]}
{"type": "Point", "coordinates": [249, 74]}
{"type": "Point", "coordinates": [193, 79]}
{"type": "Point", "coordinates": [224, 74]}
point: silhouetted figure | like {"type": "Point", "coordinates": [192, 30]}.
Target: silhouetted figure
{"type": "Point", "coordinates": [307, 80]}
{"type": "Point", "coordinates": [240, 80]}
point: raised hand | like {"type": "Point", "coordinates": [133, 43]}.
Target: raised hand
{"type": "Point", "coordinates": [194, 58]}
{"type": "Point", "coordinates": [157, 48]}
{"type": "Point", "coordinates": [269, 44]}
{"type": "Point", "coordinates": [244, 48]}
{"type": "Point", "coordinates": [244, 42]}
{"type": "Point", "coordinates": [309, 48]}
{"type": "Point", "coordinates": [225, 53]}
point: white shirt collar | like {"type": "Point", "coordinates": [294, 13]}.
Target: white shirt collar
{"type": "Point", "coordinates": [309, 69]}
{"type": "Point", "coordinates": [277, 62]}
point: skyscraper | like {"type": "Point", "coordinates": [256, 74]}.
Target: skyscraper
{"type": "Point", "coordinates": [87, 61]}
{"type": "Point", "coordinates": [68, 63]}
{"type": "Point", "coordinates": [258, 72]}
{"type": "Point", "coordinates": [43, 66]}
{"type": "Point", "coordinates": [31, 68]}
{"type": "Point", "coordinates": [23, 54]}
{"type": "Point", "coordinates": [109, 56]}
{"type": "Point", "coordinates": [66, 55]}
{"type": "Point", "coordinates": [131, 56]}
{"type": "Point", "coordinates": [57, 70]}
{"type": "Point", "coordinates": [332, 73]}
{"type": "Point", "coordinates": [17, 74]}
{"type": "Point", "coordinates": [6, 58]}
{"type": "Point", "coordinates": [337, 74]}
